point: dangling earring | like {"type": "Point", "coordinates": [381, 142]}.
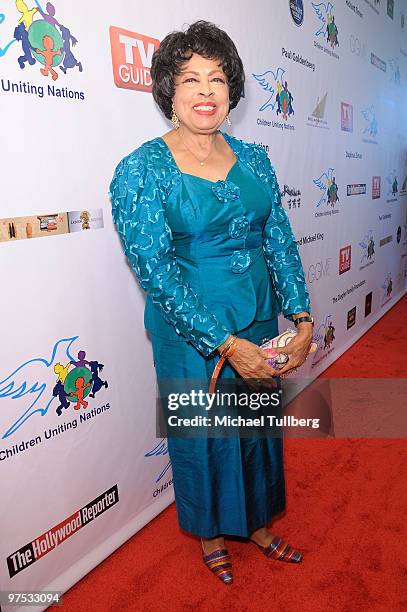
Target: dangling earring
{"type": "Point", "coordinates": [228, 121]}
{"type": "Point", "coordinates": [174, 118]}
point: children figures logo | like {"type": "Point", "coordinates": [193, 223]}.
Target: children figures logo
{"type": "Point", "coordinates": [328, 28]}
{"type": "Point", "coordinates": [387, 287]}
{"type": "Point", "coordinates": [392, 186]}
{"type": "Point", "coordinates": [370, 129]}
{"type": "Point", "coordinates": [75, 385]}
{"type": "Point", "coordinates": [324, 337]}
{"type": "Point", "coordinates": [59, 381]}
{"type": "Point", "coordinates": [43, 40]}
{"type": "Point", "coordinates": [327, 184]}
{"type": "Point", "coordinates": [279, 94]}
{"type": "Point", "coordinates": [329, 336]}
{"type": "Point", "coordinates": [367, 246]}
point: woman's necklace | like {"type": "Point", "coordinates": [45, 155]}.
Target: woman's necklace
{"type": "Point", "coordinates": [201, 161]}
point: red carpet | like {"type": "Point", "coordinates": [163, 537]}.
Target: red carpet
{"type": "Point", "coordinates": [346, 511]}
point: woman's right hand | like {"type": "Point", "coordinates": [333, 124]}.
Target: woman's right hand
{"type": "Point", "coordinates": [250, 361]}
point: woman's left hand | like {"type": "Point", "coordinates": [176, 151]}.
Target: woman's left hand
{"type": "Point", "coordinates": [297, 349]}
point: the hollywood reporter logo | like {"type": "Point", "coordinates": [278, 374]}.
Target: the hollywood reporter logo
{"type": "Point", "coordinates": [56, 535]}
{"type": "Point", "coordinates": [131, 58]}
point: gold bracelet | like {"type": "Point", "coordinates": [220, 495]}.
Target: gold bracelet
{"type": "Point", "coordinates": [229, 344]}
{"type": "Point", "coordinates": [229, 352]}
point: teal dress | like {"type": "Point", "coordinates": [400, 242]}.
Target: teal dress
{"type": "Point", "coordinates": [214, 258]}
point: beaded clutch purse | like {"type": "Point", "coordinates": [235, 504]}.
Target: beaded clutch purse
{"type": "Point", "coordinates": [278, 361]}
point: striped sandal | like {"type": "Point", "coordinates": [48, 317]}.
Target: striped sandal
{"type": "Point", "coordinates": [280, 550]}
{"type": "Point", "coordinates": [219, 563]}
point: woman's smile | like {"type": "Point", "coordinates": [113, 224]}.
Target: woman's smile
{"type": "Point", "coordinates": [208, 108]}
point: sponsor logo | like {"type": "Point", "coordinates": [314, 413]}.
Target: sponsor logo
{"type": "Point", "coordinates": [52, 224]}
{"type": "Point", "coordinates": [324, 337]}
{"type": "Point", "coordinates": [357, 46]}
{"type": "Point", "coordinates": [58, 534]}
{"type": "Point", "coordinates": [386, 240]}
{"type": "Point", "coordinates": [354, 8]}
{"type": "Point", "coordinates": [376, 187]}
{"type": "Point", "coordinates": [384, 217]}
{"type": "Point", "coordinates": [327, 28]}
{"type": "Point", "coordinates": [346, 117]}
{"type": "Point", "coordinates": [376, 61]}
{"type": "Point", "coordinates": [374, 4]}
{"type": "Point", "coordinates": [367, 247]}
{"type": "Point", "coordinates": [387, 289]}
{"type": "Point", "coordinates": [392, 187]}
{"type": "Point", "coordinates": [131, 58]}
{"type": "Point", "coordinates": [292, 197]}
{"type": "Point", "coordinates": [390, 8]}
{"type": "Point", "coordinates": [394, 71]}
{"type": "Point", "coordinates": [60, 382]}
{"type": "Point", "coordinates": [85, 220]}
{"type": "Point", "coordinates": [318, 114]}
{"type": "Point", "coordinates": [279, 98]}
{"type": "Point", "coordinates": [368, 303]}
{"type": "Point", "coordinates": [327, 184]}
{"type": "Point", "coordinates": [47, 49]}
{"type": "Point", "coordinates": [297, 11]}
{"type": "Point", "coordinates": [356, 189]}
{"type": "Point", "coordinates": [351, 318]}
{"type": "Point", "coordinates": [319, 270]}
{"type": "Point", "coordinates": [370, 129]}
{"type": "Point", "coordinates": [345, 254]}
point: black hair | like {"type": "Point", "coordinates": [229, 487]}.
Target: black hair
{"type": "Point", "coordinates": [205, 39]}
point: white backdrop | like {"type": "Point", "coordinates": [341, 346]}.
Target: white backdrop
{"type": "Point", "coordinates": [100, 470]}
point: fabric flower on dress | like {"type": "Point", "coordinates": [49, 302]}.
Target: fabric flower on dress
{"type": "Point", "coordinates": [239, 261]}
{"type": "Point", "coordinates": [226, 191]}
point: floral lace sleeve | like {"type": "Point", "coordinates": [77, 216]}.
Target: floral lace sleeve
{"type": "Point", "coordinates": [280, 249]}
{"type": "Point", "coordinates": [140, 219]}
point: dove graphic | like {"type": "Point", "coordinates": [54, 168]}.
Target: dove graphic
{"type": "Point", "coordinates": [5, 48]}
{"type": "Point", "coordinates": [367, 246]}
{"type": "Point", "coordinates": [392, 184]}
{"type": "Point", "coordinates": [161, 448]}
{"type": "Point", "coordinates": [324, 182]}
{"type": "Point", "coordinates": [324, 335]}
{"type": "Point", "coordinates": [270, 82]}
{"type": "Point", "coordinates": [29, 387]}
{"type": "Point", "coordinates": [370, 117]}
{"type": "Point", "coordinates": [323, 11]}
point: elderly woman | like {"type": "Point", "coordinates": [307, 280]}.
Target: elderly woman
{"type": "Point", "coordinates": [200, 217]}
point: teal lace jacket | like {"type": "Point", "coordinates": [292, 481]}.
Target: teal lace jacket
{"type": "Point", "coordinates": [148, 199]}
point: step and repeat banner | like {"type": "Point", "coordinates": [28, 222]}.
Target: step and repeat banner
{"type": "Point", "coordinates": [81, 466]}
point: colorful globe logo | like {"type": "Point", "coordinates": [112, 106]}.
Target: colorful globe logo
{"type": "Point", "coordinates": [71, 381]}
{"type": "Point", "coordinates": [46, 38]}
